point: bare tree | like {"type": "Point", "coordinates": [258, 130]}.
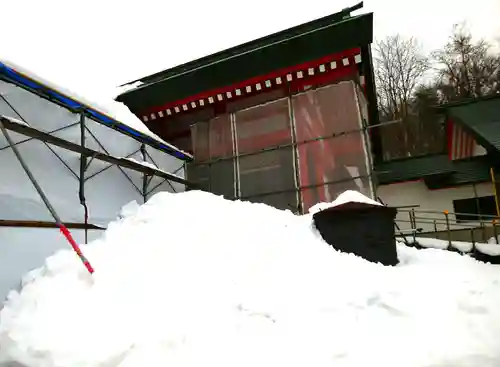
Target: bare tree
{"type": "Point", "coordinates": [399, 68]}
{"type": "Point", "coordinates": [466, 69]}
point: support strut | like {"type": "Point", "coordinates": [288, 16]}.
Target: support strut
{"type": "Point", "coordinates": [46, 201]}
{"type": "Point", "coordinates": [83, 168]}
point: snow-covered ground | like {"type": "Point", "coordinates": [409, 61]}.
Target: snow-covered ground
{"type": "Point", "coordinates": [492, 248]}
{"type": "Point", "coordinates": [194, 280]}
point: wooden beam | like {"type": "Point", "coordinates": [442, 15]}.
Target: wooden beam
{"type": "Point", "coordinates": [44, 224]}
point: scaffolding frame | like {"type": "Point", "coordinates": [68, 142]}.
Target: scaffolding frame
{"type": "Point", "coordinates": [86, 157]}
{"type": "Point", "coordinates": [80, 115]}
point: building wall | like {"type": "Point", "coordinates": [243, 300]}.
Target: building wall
{"type": "Point", "coordinates": [437, 201]}
{"type": "Point", "coordinates": [289, 153]}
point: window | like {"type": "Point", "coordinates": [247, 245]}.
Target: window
{"type": "Point", "coordinates": [471, 209]}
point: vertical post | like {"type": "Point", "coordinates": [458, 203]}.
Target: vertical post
{"type": "Point", "coordinates": [45, 200]}
{"type": "Point", "coordinates": [366, 138]}
{"type": "Point", "coordinates": [186, 187]}
{"type": "Point", "coordinates": [435, 226]}
{"type": "Point", "coordinates": [367, 67]}
{"type": "Point", "coordinates": [236, 163]}
{"type": "Point", "coordinates": [209, 153]}
{"type": "Point", "coordinates": [414, 225]}
{"type": "Point", "coordinates": [495, 230]}
{"type": "Point", "coordinates": [295, 153]}
{"type": "Point", "coordinates": [144, 177]}
{"type": "Point", "coordinates": [495, 193]}
{"type": "Point", "coordinates": [480, 216]}
{"type": "Point", "coordinates": [472, 237]}
{"type": "Point", "coordinates": [83, 168]}
{"type": "Point", "coordinates": [447, 218]}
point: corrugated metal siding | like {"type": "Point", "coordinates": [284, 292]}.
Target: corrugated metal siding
{"type": "Point", "coordinates": [412, 168]}
{"type": "Point", "coordinates": [473, 170]}
{"type": "Point", "coordinates": [459, 172]}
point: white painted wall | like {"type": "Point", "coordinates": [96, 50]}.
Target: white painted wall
{"type": "Point", "coordinates": [416, 193]}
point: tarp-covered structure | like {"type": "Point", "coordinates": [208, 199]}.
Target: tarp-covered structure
{"type": "Point", "coordinates": [88, 163]}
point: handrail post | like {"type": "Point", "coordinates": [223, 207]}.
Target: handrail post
{"type": "Point", "coordinates": [495, 231]}
{"type": "Point", "coordinates": [447, 217]}
{"type": "Point", "coordinates": [483, 230]}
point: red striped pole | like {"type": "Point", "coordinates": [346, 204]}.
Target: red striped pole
{"type": "Point", "coordinates": [46, 201]}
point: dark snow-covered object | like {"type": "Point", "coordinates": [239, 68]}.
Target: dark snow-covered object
{"type": "Point", "coordinates": [356, 224]}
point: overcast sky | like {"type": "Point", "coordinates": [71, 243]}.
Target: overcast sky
{"type": "Point", "coordinates": [92, 46]}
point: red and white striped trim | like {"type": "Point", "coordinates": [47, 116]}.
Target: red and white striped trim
{"type": "Point", "coordinates": [462, 144]}
{"type": "Point", "coordinates": [257, 87]}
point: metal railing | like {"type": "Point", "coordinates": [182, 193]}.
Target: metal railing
{"type": "Point", "coordinates": [444, 225]}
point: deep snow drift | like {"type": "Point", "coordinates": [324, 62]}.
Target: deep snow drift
{"type": "Point", "coordinates": [194, 280]}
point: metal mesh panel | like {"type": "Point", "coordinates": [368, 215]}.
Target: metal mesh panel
{"type": "Point", "coordinates": [329, 192]}
{"type": "Point", "coordinates": [263, 126]}
{"type": "Point", "coordinates": [182, 122]}
{"type": "Point", "coordinates": [199, 134]}
{"type": "Point", "coordinates": [254, 100]}
{"type": "Point", "coordinates": [267, 172]}
{"type": "Point", "coordinates": [326, 111]}
{"type": "Point", "coordinates": [285, 200]}
{"type": "Point", "coordinates": [200, 174]}
{"type": "Point", "coordinates": [178, 129]}
{"type": "Point", "coordinates": [332, 113]}
{"type": "Point", "coordinates": [221, 137]}
{"type": "Point", "coordinates": [222, 178]}
{"type": "Point", "coordinates": [217, 177]}
{"type": "Point", "coordinates": [183, 143]}
{"type": "Point", "coordinates": [332, 159]}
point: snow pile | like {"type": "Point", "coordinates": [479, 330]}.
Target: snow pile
{"type": "Point", "coordinates": [129, 209]}
{"type": "Point", "coordinates": [491, 248]}
{"type": "Point", "coordinates": [194, 280]}
{"type": "Point", "coordinates": [348, 196]}
{"type": "Point", "coordinates": [494, 240]}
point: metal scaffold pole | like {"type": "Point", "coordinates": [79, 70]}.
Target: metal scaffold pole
{"type": "Point", "coordinates": [46, 201]}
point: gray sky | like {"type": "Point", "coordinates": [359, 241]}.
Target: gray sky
{"type": "Point", "coordinates": [93, 45]}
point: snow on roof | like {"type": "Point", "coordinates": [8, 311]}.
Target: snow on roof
{"type": "Point", "coordinates": [349, 196]}
{"type": "Point", "coordinates": [117, 111]}
{"type": "Point", "coordinates": [152, 166]}
{"type": "Point", "coordinates": [263, 291]}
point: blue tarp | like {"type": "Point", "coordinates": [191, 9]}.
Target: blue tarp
{"type": "Point", "coordinates": [13, 76]}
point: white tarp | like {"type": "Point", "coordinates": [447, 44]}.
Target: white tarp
{"type": "Point", "coordinates": [57, 169]}
{"type": "Point", "coordinates": [107, 187]}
